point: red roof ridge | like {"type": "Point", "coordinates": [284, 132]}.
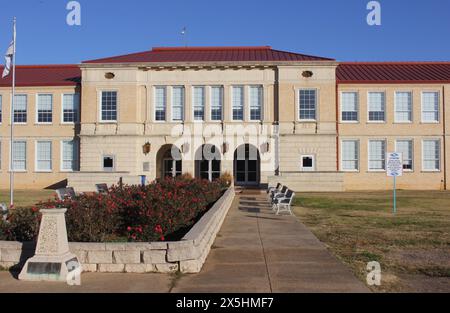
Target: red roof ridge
{"type": "Point", "coordinates": [45, 66]}
{"type": "Point", "coordinates": [306, 55]}
{"type": "Point", "coordinates": [393, 62]}
{"type": "Point", "coordinates": [210, 48]}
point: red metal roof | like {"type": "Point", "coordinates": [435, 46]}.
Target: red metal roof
{"type": "Point", "coordinates": [393, 72]}
{"type": "Point", "coordinates": [210, 54]}
{"type": "Point", "coordinates": [43, 75]}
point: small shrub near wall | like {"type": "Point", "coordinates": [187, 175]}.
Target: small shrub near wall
{"type": "Point", "coordinates": [129, 213]}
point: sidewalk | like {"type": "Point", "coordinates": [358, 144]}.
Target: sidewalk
{"type": "Point", "coordinates": [255, 251]}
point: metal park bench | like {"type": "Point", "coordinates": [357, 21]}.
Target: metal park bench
{"type": "Point", "coordinates": [65, 193]}
{"type": "Point", "coordinates": [278, 194]}
{"type": "Point", "coordinates": [102, 188]}
{"type": "Point", "coordinates": [272, 190]}
{"type": "Point", "coordinates": [284, 204]}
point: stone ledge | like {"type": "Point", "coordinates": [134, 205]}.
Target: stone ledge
{"type": "Point", "coordinates": [187, 255]}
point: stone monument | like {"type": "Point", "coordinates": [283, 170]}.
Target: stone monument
{"type": "Point", "coordinates": [52, 260]}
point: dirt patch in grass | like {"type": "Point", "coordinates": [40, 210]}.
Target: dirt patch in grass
{"type": "Point", "coordinates": [413, 247]}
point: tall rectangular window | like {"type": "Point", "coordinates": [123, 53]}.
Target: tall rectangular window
{"type": "Point", "coordinates": [43, 155]}
{"type": "Point", "coordinates": [403, 107]}
{"type": "Point", "coordinates": [178, 103]}
{"type": "Point", "coordinates": [376, 106]}
{"type": "Point", "coordinates": [405, 147]}
{"type": "Point", "coordinates": [45, 109]}
{"type": "Point", "coordinates": [377, 155]}
{"type": "Point", "coordinates": [199, 103]}
{"type": "Point", "coordinates": [350, 155]}
{"type": "Point", "coordinates": [431, 155]}
{"type": "Point", "coordinates": [256, 103]}
{"type": "Point", "coordinates": [1, 108]}
{"type": "Point", "coordinates": [19, 162]}
{"type": "Point", "coordinates": [20, 109]}
{"type": "Point", "coordinates": [308, 104]}
{"type": "Point", "coordinates": [349, 106]}
{"type": "Point", "coordinates": [238, 103]}
{"type": "Point", "coordinates": [70, 108]}
{"type": "Point", "coordinates": [430, 107]}
{"type": "Point", "coordinates": [109, 106]}
{"type": "Point", "coordinates": [69, 155]}
{"type": "Point", "coordinates": [216, 103]}
{"type": "Point", "coordinates": [160, 103]}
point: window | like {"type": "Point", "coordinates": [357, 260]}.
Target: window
{"type": "Point", "coordinates": [403, 107]}
{"type": "Point", "coordinates": [70, 107]}
{"type": "Point", "coordinates": [430, 107]}
{"type": "Point", "coordinates": [238, 103]}
{"type": "Point", "coordinates": [44, 109]}
{"type": "Point", "coordinates": [376, 106]}
{"type": "Point", "coordinates": [431, 155]}
{"type": "Point", "coordinates": [256, 101]}
{"type": "Point", "coordinates": [405, 147]}
{"type": "Point", "coordinates": [69, 155]}
{"type": "Point", "coordinates": [308, 104]}
{"type": "Point", "coordinates": [108, 163]}
{"type": "Point", "coordinates": [19, 156]}
{"type": "Point", "coordinates": [350, 155]}
{"type": "Point", "coordinates": [216, 103]}
{"type": "Point", "coordinates": [377, 155]}
{"type": "Point", "coordinates": [177, 103]}
{"type": "Point", "coordinates": [109, 106]}
{"type": "Point", "coordinates": [43, 156]}
{"type": "Point", "coordinates": [307, 163]}
{"type": "Point", "coordinates": [199, 103]}
{"type": "Point", "coordinates": [349, 107]}
{"type": "Point", "coordinates": [20, 109]}
{"type": "Point", "coordinates": [160, 103]}
{"type": "Point", "coordinates": [1, 110]}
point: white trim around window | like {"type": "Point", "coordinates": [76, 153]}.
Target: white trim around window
{"type": "Point", "coordinates": [410, 142]}
{"type": "Point", "coordinates": [48, 156]}
{"type": "Point", "coordinates": [432, 156]}
{"type": "Point", "coordinates": [259, 105]}
{"type": "Point", "coordinates": [376, 121]}
{"type": "Point", "coordinates": [74, 152]}
{"type": "Point", "coordinates": [181, 105]}
{"type": "Point", "coordinates": [76, 104]}
{"type": "Point", "coordinates": [436, 111]}
{"type": "Point", "coordinates": [341, 107]}
{"type": "Point", "coordinates": [313, 159]}
{"type": "Point", "coordinates": [357, 155]}
{"type": "Point", "coordinates": [100, 112]}
{"type": "Point", "coordinates": [24, 160]}
{"type": "Point", "coordinates": [316, 107]}
{"type": "Point", "coordinates": [382, 159]}
{"type": "Point", "coordinates": [409, 111]}
{"type": "Point", "coordinates": [240, 109]}
{"type": "Point", "coordinates": [36, 108]}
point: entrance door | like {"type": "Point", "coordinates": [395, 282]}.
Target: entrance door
{"type": "Point", "coordinates": [246, 166]}
{"type": "Point", "coordinates": [172, 168]}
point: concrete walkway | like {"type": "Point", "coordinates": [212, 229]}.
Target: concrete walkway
{"type": "Point", "coordinates": [255, 251]}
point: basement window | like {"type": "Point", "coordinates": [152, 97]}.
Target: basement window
{"type": "Point", "coordinates": [108, 163]}
{"type": "Point", "coordinates": [307, 163]}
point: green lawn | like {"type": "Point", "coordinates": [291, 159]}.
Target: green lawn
{"type": "Point", "coordinates": [24, 198]}
{"type": "Point", "coordinates": [413, 247]}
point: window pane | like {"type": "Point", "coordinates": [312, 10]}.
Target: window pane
{"type": "Point", "coordinates": [430, 107]}
{"type": "Point", "coordinates": [19, 156]}
{"type": "Point", "coordinates": [405, 147]}
{"type": "Point", "coordinates": [350, 155]}
{"type": "Point", "coordinates": [70, 108]}
{"type": "Point", "coordinates": [45, 104]}
{"type": "Point", "coordinates": [376, 106]}
{"type": "Point", "coordinates": [377, 155]}
{"type": "Point", "coordinates": [109, 106]}
{"type": "Point", "coordinates": [20, 109]}
{"type": "Point", "coordinates": [216, 103]}
{"type": "Point", "coordinates": [431, 155]}
{"type": "Point", "coordinates": [403, 106]}
{"type": "Point", "coordinates": [238, 103]}
{"type": "Point", "coordinates": [160, 103]}
{"type": "Point", "coordinates": [69, 155]}
{"type": "Point", "coordinates": [199, 103]}
{"type": "Point", "coordinates": [308, 102]}
{"type": "Point", "coordinates": [44, 155]}
{"type": "Point", "coordinates": [256, 100]}
{"type": "Point", "coordinates": [349, 106]}
{"type": "Point", "coordinates": [177, 103]}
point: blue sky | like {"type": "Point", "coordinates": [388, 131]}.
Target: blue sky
{"type": "Point", "coordinates": [410, 30]}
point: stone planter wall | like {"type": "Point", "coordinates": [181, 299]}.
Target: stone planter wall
{"type": "Point", "coordinates": [187, 255]}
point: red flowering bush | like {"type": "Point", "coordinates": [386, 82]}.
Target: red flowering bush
{"type": "Point", "coordinates": [157, 212]}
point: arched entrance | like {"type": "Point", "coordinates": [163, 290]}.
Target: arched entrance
{"type": "Point", "coordinates": [207, 162]}
{"type": "Point", "coordinates": [247, 165]}
{"type": "Point", "coordinates": [169, 163]}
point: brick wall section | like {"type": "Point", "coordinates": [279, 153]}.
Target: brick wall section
{"type": "Point", "coordinates": [187, 255]}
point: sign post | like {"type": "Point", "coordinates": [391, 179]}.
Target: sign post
{"type": "Point", "coordinates": [394, 168]}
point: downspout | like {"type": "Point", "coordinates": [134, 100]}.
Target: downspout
{"type": "Point", "coordinates": [337, 128]}
{"type": "Point", "coordinates": [445, 137]}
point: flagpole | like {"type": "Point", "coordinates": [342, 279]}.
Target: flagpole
{"type": "Point", "coordinates": [11, 173]}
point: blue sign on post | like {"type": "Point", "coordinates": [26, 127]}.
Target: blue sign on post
{"type": "Point", "coordinates": [394, 168]}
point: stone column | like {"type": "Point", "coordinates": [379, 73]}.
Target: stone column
{"type": "Point", "coordinates": [52, 260]}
